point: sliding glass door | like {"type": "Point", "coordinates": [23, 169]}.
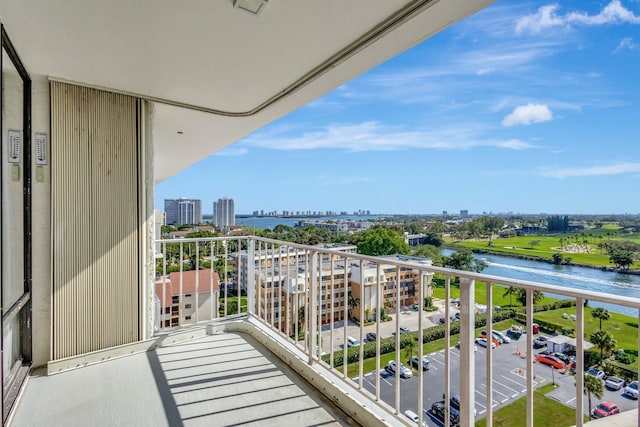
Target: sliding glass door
{"type": "Point", "coordinates": [15, 230]}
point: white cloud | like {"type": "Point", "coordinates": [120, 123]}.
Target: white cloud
{"type": "Point", "coordinates": [528, 114]}
{"type": "Point", "coordinates": [613, 13]}
{"type": "Point", "coordinates": [544, 18]}
{"type": "Point", "coordinates": [516, 144]}
{"type": "Point", "coordinates": [232, 152]}
{"type": "Point", "coordinates": [615, 169]}
{"type": "Point", "coordinates": [626, 44]}
{"type": "Point", "coordinates": [373, 136]}
{"type": "Point", "coordinates": [547, 17]}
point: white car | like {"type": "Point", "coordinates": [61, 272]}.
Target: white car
{"type": "Point", "coordinates": [614, 383]}
{"type": "Point", "coordinates": [404, 371]}
{"type": "Point", "coordinates": [352, 342]}
{"type": "Point", "coordinates": [483, 342]}
{"type": "Point", "coordinates": [631, 390]}
{"type": "Point", "coordinates": [501, 337]}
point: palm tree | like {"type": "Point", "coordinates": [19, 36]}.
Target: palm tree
{"type": "Point", "coordinates": [410, 347]}
{"type": "Point", "coordinates": [604, 341]}
{"type": "Point", "coordinates": [511, 291]}
{"type": "Point", "coordinates": [353, 303]}
{"type": "Point", "coordinates": [593, 386]}
{"type": "Point", "coordinates": [602, 314]}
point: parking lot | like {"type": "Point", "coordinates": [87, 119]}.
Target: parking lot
{"type": "Point", "coordinates": [509, 382]}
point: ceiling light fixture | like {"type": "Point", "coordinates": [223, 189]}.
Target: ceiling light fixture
{"type": "Point", "coordinates": [252, 6]}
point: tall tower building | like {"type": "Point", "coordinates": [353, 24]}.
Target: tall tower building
{"type": "Point", "coordinates": [223, 212]}
{"type": "Point", "coordinates": [182, 211]}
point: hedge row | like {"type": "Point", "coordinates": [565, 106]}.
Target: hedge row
{"type": "Point", "coordinates": [618, 369]}
{"type": "Point", "coordinates": [388, 345]}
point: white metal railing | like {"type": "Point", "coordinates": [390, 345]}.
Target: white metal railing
{"type": "Point", "coordinates": [292, 288]}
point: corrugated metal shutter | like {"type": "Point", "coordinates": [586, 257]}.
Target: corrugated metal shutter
{"type": "Point", "coordinates": [96, 263]}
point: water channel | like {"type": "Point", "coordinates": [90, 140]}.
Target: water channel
{"type": "Point", "coordinates": [589, 279]}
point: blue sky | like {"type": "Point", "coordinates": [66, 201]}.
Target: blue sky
{"type": "Point", "coordinates": [524, 107]}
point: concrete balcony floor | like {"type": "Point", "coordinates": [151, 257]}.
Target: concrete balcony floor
{"type": "Point", "coordinates": [228, 379]}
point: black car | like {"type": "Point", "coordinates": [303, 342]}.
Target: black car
{"type": "Point", "coordinates": [454, 402]}
{"type": "Point", "coordinates": [371, 336]}
{"type": "Point", "coordinates": [438, 411]}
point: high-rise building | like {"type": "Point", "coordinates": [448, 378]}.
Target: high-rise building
{"type": "Point", "coordinates": [223, 212]}
{"type": "Point", "coordinates": [182, 211]}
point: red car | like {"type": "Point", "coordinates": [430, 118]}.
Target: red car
{"type": "Point", "coordinates": [548, 359]}
{"type": "Point", "coordinates": [605, 409]}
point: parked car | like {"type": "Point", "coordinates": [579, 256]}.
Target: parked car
{"type": "Point", "coordinates": [631, 390]}
{"type": "Point", "coordinates": [438, 410]}
{"type": "Point", "coordinates": [415, 362]}
{"type": "Point", "coordinates": [455, 403]}
{"type": "Point", "coordinates": [501, 337]}
{"type": "Point", "coordinates": [412, 415]}
{"type": "Point", "coordinates": [605, 409]}
{"type": "Point", "coordinates": [548, 359]}
{"type": "Point", "coordinates": [404, 329]}
{"type": "Point", "coordinates": [404, 371]}
{"type": "Point", "coordinates": [562, 356]}
{"type": "Point", "coordinates": [540, 341]}
{"type": "Point", "coordinates": [371, 336]}
{"type": "Point", "coordinates": [614, 383]}
{"type": "Point", "coordinates": [596, 373]}
{"type": "Point", "coordinates": [483, 342]}
{"type": "Point", "coordinates": [496, 340]}
{"type": "Point", "coordinates": [352, 342]}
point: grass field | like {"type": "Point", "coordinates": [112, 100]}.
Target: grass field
{"type": "Point", "coordinates": [546, 412]}
{"type": "Point", "coordinates": [623, 328]}
{"type": "Point", "coordinates": [546, 246]}
{"type": "Point", "coordinates": [481, 295]}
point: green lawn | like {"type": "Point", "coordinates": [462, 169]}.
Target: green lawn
{"type": "Point", "coordinates": [546, 412]}
{"type": "Point", "coordinates": [623, 328]}
{"type": "Point", "coordinates": [481, 295]}
{"type": "Point", "coordinates": [548, 245]}
{"type": "Point", "coordinates": [233, 298]}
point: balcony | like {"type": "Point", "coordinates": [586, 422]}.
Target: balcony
{"type": "Point", "coordinates": [249, 358]}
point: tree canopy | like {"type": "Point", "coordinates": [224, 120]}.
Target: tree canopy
{"type": "Point", "coordinates": [464, 260]}
{"type": "Point", "coordinates": [380, 241]}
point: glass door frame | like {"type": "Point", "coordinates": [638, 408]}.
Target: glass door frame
{"type": "Point", "coordinates": [22, 307]}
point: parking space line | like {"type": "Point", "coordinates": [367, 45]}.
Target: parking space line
{"type": "Point", "coordinates": [495, 402]}
{"type": "Point", "coordinates": [570, 400]}
{"type": "Point", "coordinates": [437, 361]}
{"type": "Point", "coordinates": [509, 379]}
{"type": "Point", "coordinates": [494, 390]}
{"type": "Point", "coordinates": [502, 385]}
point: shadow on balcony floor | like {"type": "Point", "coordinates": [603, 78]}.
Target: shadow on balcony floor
{"type": "Point", "coordinates": [222, 380]}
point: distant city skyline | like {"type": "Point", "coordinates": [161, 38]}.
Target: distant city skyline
{"type": "Point", "coordinates": [524, 107]}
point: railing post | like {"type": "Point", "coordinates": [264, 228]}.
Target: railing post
{"type": "Point", "coordinates": [579, 362]}
{"type": "Point", "coordinates": [313, 315]}
{"type": "Point", "coordinates": [489, 360]}
{"type": "Point", "coordinates": [251, 277]}
{"type": "Point", "coordinates": [529, 364]}
{"type": "Point", "coordinates": [467, 357]}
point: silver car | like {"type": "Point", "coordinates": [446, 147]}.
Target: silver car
{"type": "Point", "coordinates": [404, 371]}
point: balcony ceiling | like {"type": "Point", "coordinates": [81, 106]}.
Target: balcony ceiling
{"type": "Point", "coordinates": [215, 72]}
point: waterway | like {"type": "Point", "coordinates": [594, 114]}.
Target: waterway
{"type": "Point", "coordinates": [584, 278]}
{"type": "Point", "coordinates": [270, 222]}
